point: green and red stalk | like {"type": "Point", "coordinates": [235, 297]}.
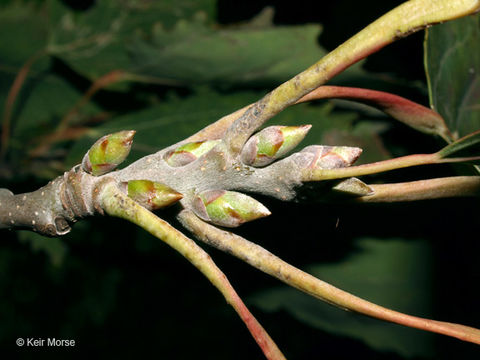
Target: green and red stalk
{"type": "Point", "coordinates": [115, 203]}
{"type": "Point", "coordinates": [405, 19]}
{"type": "Point", "coordinates": [410, 113]}
{"type": "Point", "coordinates": [447, 187]}
{"type": "Point", "coordinates": [381, 166]}
{"type": "Point", "coordinates": [451, 153]}
{"type": "Point", "coordinates": [274, 266]}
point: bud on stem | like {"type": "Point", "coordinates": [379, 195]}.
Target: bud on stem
{"type": "Point", "coordinates": [227, 208]}
{"type": "Point", "coordinates": [272, 143]}
{"type": "Point", "coordinates": [189, 152]}
{"type": "Point", "coordinates": [108, 152]}
{"type": "Point", "coordinates": [152, 195]}
{"type": "Point", "coordinates": [353, 187]}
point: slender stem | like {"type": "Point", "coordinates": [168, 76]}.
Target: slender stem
{"type": "Point", "coordinates": [265, 261]}
{"type": "Point", "coordinates": [65, 123]}
{"type": "Point", "coordinates": [111, 77]}
{"type": "Point", "coordinates": [115, 203]}
{"type": "Point", "coordinates": [405, 19]}
{"type": "Point", "coordinates": [373, 168]}
{"type": "Point", "coordinates": [12, 96]}
{"type": "Point", "coordinates": [381, 166]}
{"type": "Point", "coordinates": [455, 186]}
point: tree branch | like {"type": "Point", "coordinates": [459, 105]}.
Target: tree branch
{"type": "Point", "coordinates": [222, 169]}
{"type": "Point", "coordinates": [50, 209]}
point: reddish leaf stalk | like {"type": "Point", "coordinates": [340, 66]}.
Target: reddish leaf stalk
{"type": "Point", "coordinates": [381, 166]}
{"type": "Point", "coordinates": [410, 113]}
{"type": "Point", "coordinates": [372, 168]}
{"type": "Point", "coordinates": [455, 186]}
{"type": "Point", "coordinates": [65, 123]}
{"type": "Point", "coordinates": [102, 82]}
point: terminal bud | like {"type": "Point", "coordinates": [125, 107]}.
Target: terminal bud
{"type": "Point", "coordinates": [108, 152]}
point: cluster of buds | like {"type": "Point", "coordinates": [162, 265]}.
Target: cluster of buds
{"type": "Point", "coordinates": [111, 150]}
{"type": "Point", "coordinates": [189, 152]}
{"type": "Point", "coordinates": [221, 207]}
{"type": "Point", "coordinates": [108, 152]}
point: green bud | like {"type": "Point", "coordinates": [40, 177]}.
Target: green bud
{"type": "Point", "coordinates": [189, 152]}
{"type": "Point", "coordinates": [108, 152]}
{"type": "Point", "coordinates": [152, 195]}
{"type": "Point", "coordinates": [272, 143]}
{"type": "Point", "coordinates": [353, 187]}
{"type": "Point", "coordinates": [332, 157]}
{"type": "Point", "coordinates": [227, 208]}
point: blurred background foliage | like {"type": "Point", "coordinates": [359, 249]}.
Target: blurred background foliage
{"type": "Point", "coordinates": [168, 68]}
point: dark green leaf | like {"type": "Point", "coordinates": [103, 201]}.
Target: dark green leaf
{"type": "Point", "coordinates": [43, 101]}
{"type": "Point", "coordinates": [166, 123]}
{"type": "Point", "coordinates": [142, 42]}
{"type": "Point", "coordinates": [195, 53]}
{"type": "Point", "coordinates": [177, 118]}
{"type": "Point", "coordinates": [467, 146]}
{"type": "Point", "coordinates": [452, 60]}
{"type": "Point", "coordinates": [24, 33]}
{"type": "Point", "coordinates": [44, 97]}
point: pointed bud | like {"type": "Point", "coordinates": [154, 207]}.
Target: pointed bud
{"type": "Point", "coordinates": [189, 152]}
{"type": "Point", "coordinates": [353, 187]}
{"type": "Point", "coordinates": [108, 152]}
{"type": "Point", "coordinates": [332, 157]}
{"type": "Point", "coordinates": [272, 143]}
{"type": "Point", "coordinates": [152, 195]}
{"type": "Point", "coordinates": [227, 208]}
